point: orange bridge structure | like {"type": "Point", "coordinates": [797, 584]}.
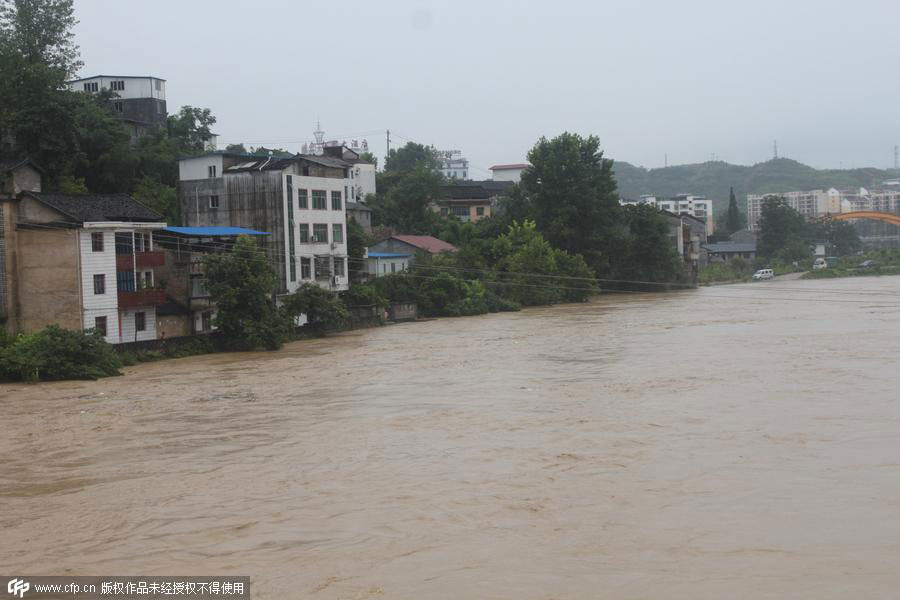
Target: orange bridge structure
{"type": "Point", "coordinates": [892, 218]}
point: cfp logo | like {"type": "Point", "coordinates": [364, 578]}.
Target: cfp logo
{"type": "Point", "coordinates": [17, 587]}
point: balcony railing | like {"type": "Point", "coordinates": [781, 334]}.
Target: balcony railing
{"type": "Point", "coordinates": [141, 260]}
{"type": "Point", "coordinates": [145, 297]}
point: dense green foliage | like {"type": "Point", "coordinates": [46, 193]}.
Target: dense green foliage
{"type": "Point", "coordinates": [75, 136]}
{"type": "Point", "coordinates": [56, 353]}
{"type": "Point", "coordinates": [408, 185]}
{"type": "Point", "coordinates": [517, 268]}
{"type": "Point", "coordinates": [735, 220]}
{"type": "Point", "coordinates": [323, 309]}
{"type": "Point", "coordinates": [785, 234]}
{"type": "Point", "coordinates": [241, 284]}
{"type": "Point", "coordinates": [357, 242]}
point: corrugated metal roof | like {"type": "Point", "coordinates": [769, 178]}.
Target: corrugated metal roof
{"type": "Point", "coordinates": [97, 207]}
{"type": "Point", "coordinates": [388, 255]}
{"type": "Point", "coordinates": [214, 231]}
{"type": "Point", "coordinates": [426, 242]}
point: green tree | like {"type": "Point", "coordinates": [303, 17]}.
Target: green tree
{"type": "Point", "coordinates": [56, 353]}
{"type": "Point", "coordinates": [323, 309]}
{"type": "Point", "coordinates": [572, 193]}
{"type": "Point", "coordinates": [523, 255]}
{"type": "Point", "coordinates": [357, 242]}
{"type": "Point", "coordinates": [158, 196]}
{"type": "Point", "coordinates": [241, 285]}
{"type": "Point", "coordinates": [645, 250]}
{"type": "Point", "coordinates": [406, 204]}
{"type": "Point", "coordinates": [103, 155]}
{"type": "Point", "coordinates": [369, 158]}
{"type": "Point", "coordinates": [735, 218]}
{"type": "Point", "coordinates": [412, 157]}
{"type": "Point", "coordinates": [783, 232]}
{"type": "Point", "coordinates": [37, 56]}
{"type": "Point", "coordinates": [277, 152]}
{"type": "Point", "coordinates": [236, 148]}
{"type": "Point", "coordinates": [841, 236]}
{"type": "Point", "coordinates": [190, 129]}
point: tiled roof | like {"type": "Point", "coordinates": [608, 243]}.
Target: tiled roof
{"type": "Point", "coordinates": [358, 206]}
{"type": "Point", "coordinates": [97, 207]}
{"type": "Point", "coordinates": [473, 190]}
{"type": "Point", "coordinates": [11, 164]}
{"type": "Point", "coordinates": [427, 243]}
{"type": "Point", "coordinates": [730, 247]}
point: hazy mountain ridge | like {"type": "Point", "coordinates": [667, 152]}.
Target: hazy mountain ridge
{"type": "Point", "coordinates": [713, 179]}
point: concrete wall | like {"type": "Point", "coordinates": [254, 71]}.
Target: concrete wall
{"type": "Point", "coordinates": [171, 326]}
{"type": "Point", "coordinates": [363, 180]}
{"type": "Point", "coordinates": [97, 263]}
{"type": "Point", "coordinates": [127, 325]}
{"type": "Point", "coordinates": [23, 179]}
{"type": "Point", "coordinates": [135, 87]}
{"type": "Point", "coordinates": [198, 168]}
{"type": "Point", "coordinates": [507, 174]}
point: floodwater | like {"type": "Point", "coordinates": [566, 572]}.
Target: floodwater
{"type": "Point", "coordinates": [730, 442]}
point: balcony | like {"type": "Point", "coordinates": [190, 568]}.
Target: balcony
{"type": "Point", "coordinates": [141, 260]}
{"type": "Point", "coordinates": [145, 297]}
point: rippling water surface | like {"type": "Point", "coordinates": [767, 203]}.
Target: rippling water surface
{"type": "Point", "coordinates": [733, 442]}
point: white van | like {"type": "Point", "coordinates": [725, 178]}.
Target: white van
{"type": "Point", "coordinates": [763, 274]}
{"type": "Point", "coordinates": [820, 263]}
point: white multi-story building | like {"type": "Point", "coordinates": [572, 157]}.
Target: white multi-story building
{"type": "Point", "coordinates": [138, 101]}
{"type": "Point", "coordinates": [700, 207]}
{"type": "Point", "coordinates": [301, 200]}
{"type": "Point", "coordinates": [453, 165]}
{"type": "Point", "coordinates": [512, 172]}
{"type": "Point", "coordinates": [83, 262]}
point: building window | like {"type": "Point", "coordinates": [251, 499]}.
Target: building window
{"type": "Point", "coordinates": [305, 269]}
{"type": "Point", "coordinates": [140, 321]}
{"type": "Point", "coordinates": [301, 199]}
{"type": "Point", "coordinates": [145, 280]}
{"type": "Point", "coordinates": [100, 325]}
{"type": "Point", "coordinates": [157, 84]}
{"type": "Point", "coordinates": [323, 267]}
{"type": "Point", "coordinates": [91, 87]}
{"type": "Point", "coordinates": [211, 171]}
{"type": "Point", "coordinates": [118, 106]}
{"type": "Point", "coordinates": [206, 321]}
{"type": "Point", "coordinates": [393, 267]}
{"type": "Point", "coordinates": [318, 199]}
{"type": "Point", "coordinates": [304, 233]}
{"type": "Point", "coordinates": [461, 211]}
{"type": "Point", "coordinates": [336, 203]}
{"type": "Point", "coordinates": [337, 233]}
{"type": "Point", "coordinates": [479, 211]}
{"type": "Point", "coordinates": [99, 284]}
{"type": "Point", "coordinates": [293, 268]}
{"type": "Point", "coordinates": [214, 200]}
{"type": "Point", "coordinates": [96, 242]}
{"type": "Point", "coordinates": [117, 86]}
{"type": "Point", "coordinates": [320, 233]}
{"type": "Point", "coordinates": [338, 267]}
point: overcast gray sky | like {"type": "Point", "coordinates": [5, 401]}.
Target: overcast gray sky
{"type": "Point", "coordinates": [690, 79]}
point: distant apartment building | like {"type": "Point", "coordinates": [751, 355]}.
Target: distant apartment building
{"type": "Point", "coordinates": [139, 101]}
{"type": "Point", "coordinates": [300, 200]}
{"type": "Point", "coordinates": [816, 203]}
{"type": "Point", "coordinates": [699, 207]}
{"type": "Point", "coordinates": [511, 172]}
{"type": "Point", "coordinates": [81, 261]}
{"type": "Point", "coordinates": [453, 165]}
{"type": "Point", "coordinates": [471, 200]}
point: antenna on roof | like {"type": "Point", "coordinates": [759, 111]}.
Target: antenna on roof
{"type": "Point", "coordinates": [775, 149]}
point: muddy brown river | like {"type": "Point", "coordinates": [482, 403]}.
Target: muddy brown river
{"type": "Point", "coordinates": [732, 442]}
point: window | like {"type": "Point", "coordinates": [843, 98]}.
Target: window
{"type": "Point", "coordinates": [338, 267]}
{"type": "Point", "coordinates": [301, 199]}
{"type": "Point", "coordinates": [206, 321]}
{"type": "Point", "coordinates": [140, 321]}
{"type": "Point", "coordinates": [211, 171]}
{"type": "Point", "coordinates": [96, 242]}
{"type": "Point", "coordinates": [318, 199]}
{"type": "Point", "coordinates": [479, 211]}
{"type": "Point", "coordinates": [461, 211]}
{"type": "Point", "coordinates": [117, 86]}
{"type": "Point", "coordinates": [393, 267]}
{"type": "Point", "coordinates": [118, 107]}
{"type": "Point", "coordinates": [214, 200]}
{"type": "Point", "coordinates": [304, 233]}
{"type": "Point", "coordinates": [337, 233]}
{"type": "Point", "coordinates": [320, 233]}
{"type": "Point", "coordinates": [100, 325]}
{"type": "Point", "coordinates": [91, 87]}
{"type": "Point", "coordinates": [145, 280]}
{"type": "Point", "coordinates": [323, 267]}
{"type": "Point", "coordinates": [305, 269]}
{"type": "Point", "coordinates": [100, 284]}
{"type": "Point", "coordinates": [293, 268]}
{"type": "Point", "coordinates": [157, 84]}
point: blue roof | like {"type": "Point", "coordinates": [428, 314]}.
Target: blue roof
{"type": "Point", "coordinates": [214, 231]}
{"type": "Point", "coordinates": [387, 255]}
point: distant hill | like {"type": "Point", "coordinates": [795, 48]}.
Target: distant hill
{"type": "Point", "coordinates": [713, 179]}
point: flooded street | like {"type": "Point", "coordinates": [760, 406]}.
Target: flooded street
{"type": "Point", "coordinates": [730, 442]}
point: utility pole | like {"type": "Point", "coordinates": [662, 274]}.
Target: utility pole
{"type": "Point", "coordinates": [896, 157]}
{"type": "Point", "coordinates": [666, 159]}
{"type": "Point", "coordinates": [775, 148]}
{"type": "Point", "coordinates": [388, 145]}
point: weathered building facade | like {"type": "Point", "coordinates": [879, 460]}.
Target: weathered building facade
{"type": "Point", "coordinates": [80, 261]}
{"type": "Point", "coordinates": [138, 101]}
{"type": "Point", "coordinates": [299, 200]}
